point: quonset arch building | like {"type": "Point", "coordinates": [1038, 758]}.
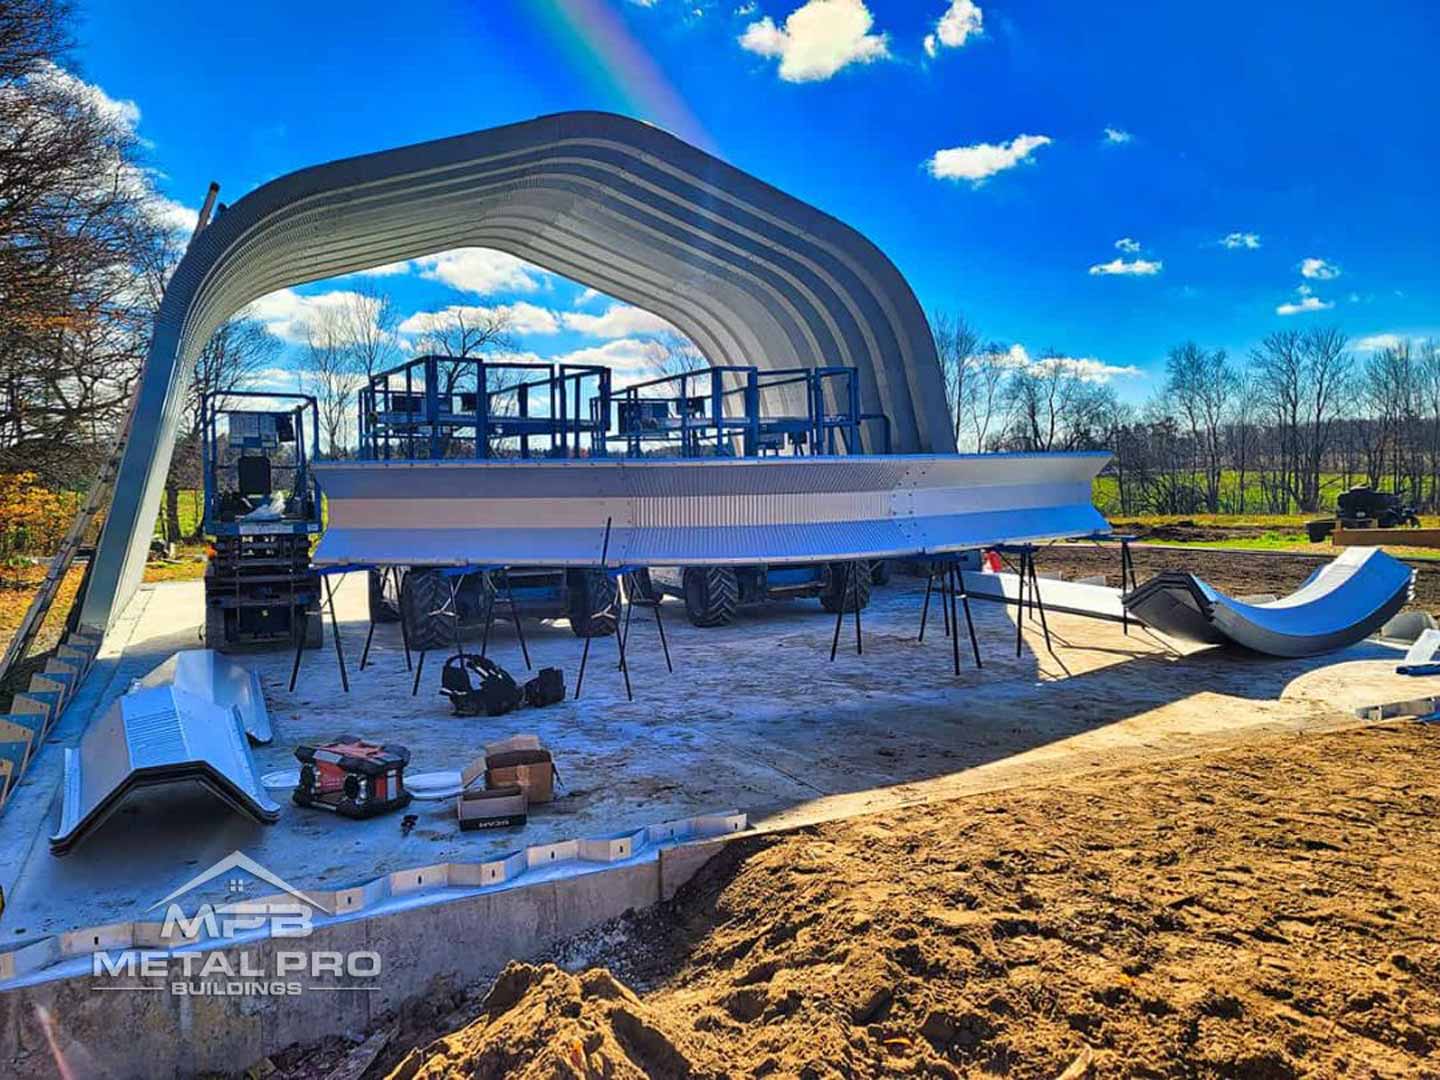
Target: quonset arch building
{"type": "Point", "coordinates": [752, 275]}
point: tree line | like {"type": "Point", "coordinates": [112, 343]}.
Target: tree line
{"type": "Point", "coordinates": [1300, 417]}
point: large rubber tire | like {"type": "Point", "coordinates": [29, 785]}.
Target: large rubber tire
{"type": "Point", "coordinates": [384, 603]}
{"type": "Point", "coordinates": [645, 588]}
{"type": "Point", "coordinates": [590, 600]}
{"type": "Point", "coordinates": [838, 589]}
{"type": "Point", "coordinates": [424, 605]}
{"type": "Point", "coordinates": [712, 595]}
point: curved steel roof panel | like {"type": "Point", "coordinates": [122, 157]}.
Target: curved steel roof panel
{"type": "Point", "coordinates": [1343, 602]}
{"type": "Point", "coordinates": [752, 275]}
{"type": "Point", "coordinates": [708, 512]}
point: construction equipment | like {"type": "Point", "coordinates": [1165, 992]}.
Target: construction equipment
{"type": "Point", "coordinates": [440, 407]}
{"type": "Point", "coordinates": [352, 777]}
{"type": "Point", "coordinates": [1364, 508]}
{"type": "Point", "coordinates": [717, 411]}
{"type": "Point", "coordinates": [261, 511]}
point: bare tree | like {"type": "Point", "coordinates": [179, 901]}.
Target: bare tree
{"type": "Point", "coordinates": [1199, 384]}
{"type": "Point", "coordinates": [955, 344]}
{"type": "Point", "coordinates": [990, 368]}
{"type": "Point", "coordinates": [1039, 396]}
{"type": "Point", "coordinates": [368, 319]}
{"type": "Point", "coordinates": [332, 374]}
{"type": "Point", "coordinates": [77, 234]}
{"type": "Point", "coordinates": [676, 354]}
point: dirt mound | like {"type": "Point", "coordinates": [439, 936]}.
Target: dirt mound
{"type": "Point", "coordinates": [544, 1022]}
{"type": "Point", "coordinates": [1263, 913]}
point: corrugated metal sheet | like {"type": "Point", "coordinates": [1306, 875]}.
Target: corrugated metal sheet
{"type": "Point", "coordinates": [1341, 603]}
{"type": "Point", "coordinates": [152, 738]}
{"type": "Point", "coordinates": [714, 512]}
{"type": "Point", "coordinates": [751, 274]}
{"type": "Point", "coordinates": [215, 677]}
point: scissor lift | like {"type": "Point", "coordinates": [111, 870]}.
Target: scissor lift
{"type": "Point", "coordinates": [262, 510]}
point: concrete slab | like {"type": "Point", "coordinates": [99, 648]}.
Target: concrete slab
{"type": "Point", "coordinates": [754, 718]}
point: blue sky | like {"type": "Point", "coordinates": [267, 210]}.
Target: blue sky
{"type": "Point", "coordinates": [967, 138]}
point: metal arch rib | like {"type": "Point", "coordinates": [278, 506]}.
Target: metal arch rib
{"type": "Point", "coordinates": [1342, 603]}
{"type": "Point", "coordinates": [696, 513]}
{"type": "Point", "coordinates": [754, 275]}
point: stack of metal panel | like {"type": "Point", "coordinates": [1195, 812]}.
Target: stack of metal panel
{"type": "Point", "coordinates": [1343, 602]}
{"type": "Point", "coordinates": [216, 678]}
{"type": "Point", "coordinates": [157, 737]}
{"type": "Point", "coordinates": [35, 711]}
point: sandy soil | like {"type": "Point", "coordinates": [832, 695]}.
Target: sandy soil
{"type": "Point", "coordinates": [1262, 912]}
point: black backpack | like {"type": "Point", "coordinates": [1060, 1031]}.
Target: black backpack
{"type": "Point", "coordinates": [546, 688]}
{"type": "Point", "coordinates": [476, 686]}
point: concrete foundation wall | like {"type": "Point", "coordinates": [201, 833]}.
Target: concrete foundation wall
{"type": "Point", "coordinates": [98, 1029]}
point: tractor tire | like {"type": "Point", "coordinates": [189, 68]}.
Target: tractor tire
{"type": "Point", "coordinates": [424, 605]}
{"type": "Point", "coordinates": [645, 588]}
{"type": "Point", "coordinates": [590, 597]}
{"type": "Point", "coordinates": [712, 595]}
{"type": "Point", "coordinates": [840, 591]}
{"type": "Point", "coordinates": [384, 603]}
{"type": "Point", "coordinates": [880, 572]}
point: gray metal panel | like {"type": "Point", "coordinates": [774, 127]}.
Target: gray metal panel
{"type": "Point", "coordinates": [217, 678]}
{"type": "Point", "coordinates": [753, 275]}
{"type": "Point", "coordinates": [1341, 603]}
{"type": "Point", "coordinates": [155, 737]}
{"type": "Point", "coordinates": [713, 512]}
{"type": "Point", "coordinates": [1071, 597]}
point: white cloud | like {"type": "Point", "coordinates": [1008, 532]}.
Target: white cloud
{"type": "Point", "coordinates": [626, 355]}
{"type": "Point", "coordinates": [1117, 136]}
{"type": "Point", "coordinates": [1248, 240]}
{"type": "Point", "coordinates": [1127, 245]}
{"type": "Point", "coordinates": [1134, 268]}
{"type": "Point", "coordinates": [977, 163]}
{"type": "Point", "coordinates": [482, 271]}
{"type": "Point", "coordinates": [1086, 368]}
{"type": "Point", "coordinates": [618, 321]}
{"type": "Point", "coordinates": [1377, 342]}
{"type": "Point", "coordinates": [177, 217]}
{"type": "Point", "coordinates": [288, 314]}
{"type": "Point", "coordinates": [587, 296]}
{"type": "Point", "coordinates": [1307, 302]}
{"type": "Point", "coordinates": [818, 39]}
{"type": "Point", "coordinates": [519, 317]}
{"type": "Point", "coordinates": [384, 270]}
{"type": "Point", "coordinates": [1319, 269]}
{"type": "Point", "coordinates": [961, 21]}
{"type": "Point", "coordinates": [747, 8]}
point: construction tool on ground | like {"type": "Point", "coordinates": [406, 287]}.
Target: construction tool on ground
{"type": "Point", "coordinates": [352, 777]}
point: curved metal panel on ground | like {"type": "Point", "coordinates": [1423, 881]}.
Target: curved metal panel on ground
{"type": "Point", "coordinates": [753, 275]}
{"type": "Point", "coordinates": [694, 513]}
{"type": "Point", "coordinates": [157, 737]}
{"type": "Point", "coordinates": [1341, 603]}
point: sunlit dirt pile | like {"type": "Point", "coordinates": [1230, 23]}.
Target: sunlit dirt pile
{"type": "Point", "coordinates": [1266, 912]}
{"type": "Point", "coordinates": [544, 1022]}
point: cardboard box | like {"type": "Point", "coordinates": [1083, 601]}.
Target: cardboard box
{"type": "Point", "coordinates": [492, 808]}
{"type": "Point", "coordinates": [531, 769]}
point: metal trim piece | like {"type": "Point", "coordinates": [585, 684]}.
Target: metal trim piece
{"type": "Point", "coordinates": [698, 513]}
{"type": "Point", "coordinates": [156, 737]}
{"type": "Point", "coordinates": [752, 275]}
{"type": "Point", "coordinates": [216, 678]}
{"type": "Point", "coordinates": [1341, 603]}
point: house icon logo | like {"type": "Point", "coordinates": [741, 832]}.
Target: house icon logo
{"type": "Point", "coordinates": [287, 912]}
